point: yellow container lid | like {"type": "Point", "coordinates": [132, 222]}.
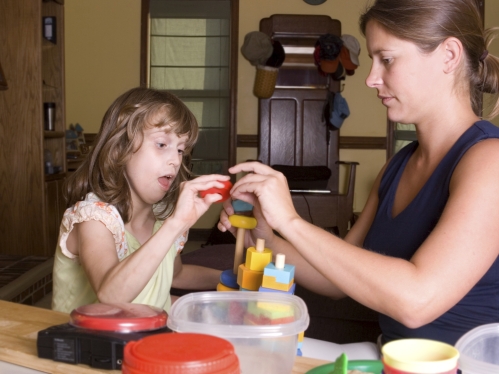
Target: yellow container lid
{"type": "Point", "coordinates": [422, 356]}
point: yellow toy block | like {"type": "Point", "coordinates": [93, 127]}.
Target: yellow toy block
{"type": "Point", "coordinates": [256, 260]}
{"type": "Point", "coordinates": [221, 287]}
{"type": "Point", "coordinates": [270, 282]}
{"type": "Point", "coordinates": [249, 279]}
{"type": "Point", "coordinates": [243, 222]}
{"type": "Point", "coordinates": [301, 335]}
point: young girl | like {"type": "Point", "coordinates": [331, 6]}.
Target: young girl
{"type": "Point", "coordinates": [424, 251]}
{"type": "Point", "coordinates": [130, 206]}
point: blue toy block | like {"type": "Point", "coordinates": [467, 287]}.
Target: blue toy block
{"type": "Point", "coordinates": [285, 275]}
{"type": "Point", "coordinates": [229, 279]}
{"type": "Point", "coordinates": [291, 291]}
{"type": "Point", "coordinates": [299, 353]}
{"type": "Point", "coordinates": [241, 206]}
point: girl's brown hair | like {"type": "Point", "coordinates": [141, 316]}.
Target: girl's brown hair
{"type": "Point", "coordinates": [427, 23]}
{"type": "Point", "coordinates": [103, 171]}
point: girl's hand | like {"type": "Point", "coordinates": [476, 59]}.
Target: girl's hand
{"type": "Point", "coordinates": [268, 189]}
{"type": "Point", "coordinates": [190, 205]}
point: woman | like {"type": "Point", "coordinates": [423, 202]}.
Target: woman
{"type": "Point", "coordinates": [424, 251]}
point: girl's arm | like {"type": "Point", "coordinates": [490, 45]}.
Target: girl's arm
{"type": "Point", "coordinates": [115, 281]}
{"type": "Point", "coordinates": [458, 252]}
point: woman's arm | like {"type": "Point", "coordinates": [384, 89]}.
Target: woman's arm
{"type": "Point", "coordinates": [305, 273]}
{"type": "Point", "coordinates": [193, 277]}
{"type": "Point", "coordinates": [453, 258]}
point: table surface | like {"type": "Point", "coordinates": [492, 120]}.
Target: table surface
{"type": "Point", "coordinates": [19, 326]}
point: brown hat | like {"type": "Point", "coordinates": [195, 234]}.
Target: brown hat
{"type": "Point", "coordinates": [329, 66]}
{"type": "Point", "coordinates": [257, 47]}
{"type": "Point", "coordinates": [345, 59]}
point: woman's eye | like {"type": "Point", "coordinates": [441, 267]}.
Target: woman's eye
{"type": "Point", "coordinates": [181, 151]}
{"type": "Point", "coordinates": [387, 60]}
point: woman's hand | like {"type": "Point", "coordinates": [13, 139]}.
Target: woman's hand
{"type": "Point", "coordinates": [261, 231]}
{"type": "Point", "coordinates": [268, 189]}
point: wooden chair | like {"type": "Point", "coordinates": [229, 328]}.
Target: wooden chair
{"type": "Point", "coordinates": [292, 129]}
{"type": "Point", "coordinates": [292, 132]}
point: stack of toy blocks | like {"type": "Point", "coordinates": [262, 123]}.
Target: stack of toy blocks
{"type": "Point", "coordinates": [250, 274]}
{"type": "Point", "coordinates": [280, 277]}
{"type": "Point", "coordinates": [243, 221]}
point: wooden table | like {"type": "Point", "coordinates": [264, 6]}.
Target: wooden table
{"type": "Point", "coordinates": [19, 326]}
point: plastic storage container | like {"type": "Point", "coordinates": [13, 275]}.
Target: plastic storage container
{"type": "Point", "coordinates": [479, 349]}
{"type": "Point", "coordinates": [263, 327]}
{"type": "Point", "coordinates": [419, 356]}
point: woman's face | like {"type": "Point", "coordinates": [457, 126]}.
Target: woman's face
{"type": "Point", "coordinates": [407, 80]}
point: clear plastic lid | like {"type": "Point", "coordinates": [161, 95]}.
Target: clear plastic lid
{"type": "Point", "coordinates": [119, 317]}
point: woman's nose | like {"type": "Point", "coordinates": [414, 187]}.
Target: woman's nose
{"type": "Point", "coordinates": [373, 79]}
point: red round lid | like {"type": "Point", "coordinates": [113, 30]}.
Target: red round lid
{"type": "Point", "coordinates": [184, 353]}
{"type": "Point", "coordinates": [120, 317]}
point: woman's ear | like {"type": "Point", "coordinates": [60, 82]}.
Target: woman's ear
{"type": "Point", "coordinates": [454, 53]}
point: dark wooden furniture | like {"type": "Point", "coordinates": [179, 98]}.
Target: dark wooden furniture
{"type": "Point", "coordinates": [292, 129]}
{"type": "Point", "coordinates": [31, 200]}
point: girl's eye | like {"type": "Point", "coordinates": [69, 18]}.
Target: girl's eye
{"type": "Point", "coordinates": [387, 60]}
{"type": "Point", "coordinates": [161, 145]}
{"type": "Point", "coordinates": [181, 151]}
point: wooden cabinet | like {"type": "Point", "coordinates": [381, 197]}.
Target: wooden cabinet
{"type": "Point", "coordinates": [31, 203]}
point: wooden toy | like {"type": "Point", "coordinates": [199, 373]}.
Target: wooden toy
{"type": "Point", "coordinates": [279, 276]}
{"type": "Point", "coordinates": [222, 287]}
{"type": "Point", "coordinates": [258, 257]}
{"type": "Point", "coordinates": [291, 291]}
{"type": "Point", "coordinates": [268, 313]}
{"type": "Point", "coordinates": [242, 220]}
{"type": "Point", "coordinates": [243, 223]}
{"type": "Point", "coordinates": [249, 279]}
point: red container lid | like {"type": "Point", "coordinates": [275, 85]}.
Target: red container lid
{"type": "Point", "coordinates": [120, 317]}
{"type": "Point", "coordinates": [182, 353]}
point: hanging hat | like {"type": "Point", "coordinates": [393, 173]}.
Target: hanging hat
{"type": "Point", "coordinates": [278, 55]}
{"type": "Point", "coordinates": [329, 51]}
{"type": "Point", "coordinates": [353, 46]}
{"type": "Point", "coordinates": [257, 47]}
{"type": "Point", "coordinates": [345, 59]}
{"type": "Point", "coordinates": [339, 73]}
{"type": "Point", "coordinates": [340, 110]}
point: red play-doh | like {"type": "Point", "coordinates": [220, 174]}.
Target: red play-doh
{"type": "Point", "coordinates": [222, 191]}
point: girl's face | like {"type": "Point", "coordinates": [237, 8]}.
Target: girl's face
{"type": "Point", "coordinates": [408, 82]}
{"type": "Point", "coordinates": [152, 168]}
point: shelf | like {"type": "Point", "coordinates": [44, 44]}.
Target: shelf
{"type": "Point", "coordinates": [53, 134]}
{"type": "Point", "coordinates": [54, 177]}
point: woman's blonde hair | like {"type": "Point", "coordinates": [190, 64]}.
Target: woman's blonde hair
{"type": "Point", "coordinates": [427, 23]}
{"type": "Point", "coordinates": [122, 128]}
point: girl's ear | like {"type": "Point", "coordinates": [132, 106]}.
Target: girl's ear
{"type": "Point", "coordinates": [454, 53]}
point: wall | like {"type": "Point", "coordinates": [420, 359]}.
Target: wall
{"type": "Point", "coordinates": [102, 41]}
{"type": "Point", "coordinates": [102, 61]}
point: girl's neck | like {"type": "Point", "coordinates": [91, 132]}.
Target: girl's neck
{"type": "Point", "coordinates": [141, 224]}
